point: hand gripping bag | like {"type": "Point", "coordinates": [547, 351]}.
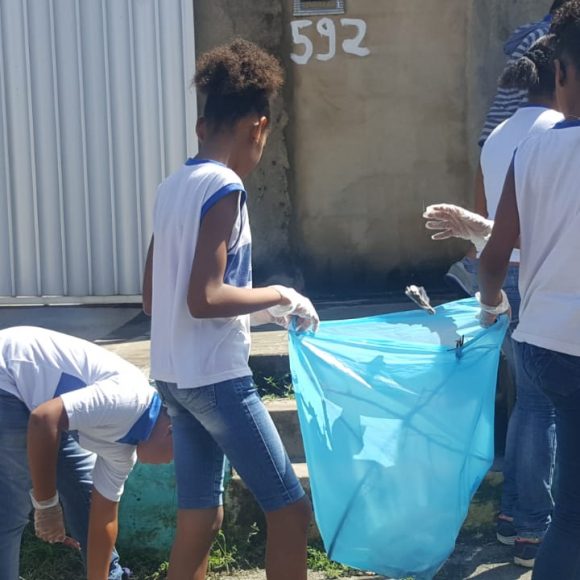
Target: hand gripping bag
{"type": "Point", "coordinates": [397, 417]}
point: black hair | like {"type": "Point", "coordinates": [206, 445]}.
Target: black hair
{"type": "Point", "coordinates": [557, 5]}
{"type": "Point", "coordinates": [238, 79]}
{"type": "Point", "coordinates": [534, 71]}
{"type": "Point", "coordinates": [566, 30]}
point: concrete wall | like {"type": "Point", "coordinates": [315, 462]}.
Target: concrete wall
{"type": "Point", "coordinates": [361, 144]}
{"type": "Point", "coordinates": [375, 139]}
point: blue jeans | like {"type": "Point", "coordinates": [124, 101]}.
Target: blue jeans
{"type": "Point", "coordinates": [74, 482]}
{"type": "Point", "coordinates": [531, 438]}
{"type": "Point", "coordinates": [530, 452]}
{"type": "Point", "coordinates": [227, 418]}
{"type": "Point", "coordinates": [558, 376]}
{"type": "Point", "coordinates": [530, 456]}
{"type": "Point", "coordinates": [512, 291]}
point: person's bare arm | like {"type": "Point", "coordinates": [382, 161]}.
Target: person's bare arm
{"type": "Point", "coordinates": [208, 295]}
{"type": "Point", "coordinates": [45, 426]}
{"type": "Point", "coordinates": [148, 280]}
{"type": "Point", "coordinates": [504, 237]}
{"type": "Point", "coordinates": [103, 526]}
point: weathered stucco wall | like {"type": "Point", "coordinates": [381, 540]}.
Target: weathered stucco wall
{"type": "Point", "coordinates": [377, 138]}
{"type": "Point", "coordinates": [362, 143]}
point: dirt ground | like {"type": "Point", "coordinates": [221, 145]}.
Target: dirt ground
{"type": "Point", "coordinates": [488, 561]}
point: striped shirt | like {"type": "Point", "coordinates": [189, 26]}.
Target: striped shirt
{"type": "Point", "coordinates": [508, 101]}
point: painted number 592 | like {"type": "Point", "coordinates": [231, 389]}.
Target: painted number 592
{"type": "Point", "coordinates": [327, 29]}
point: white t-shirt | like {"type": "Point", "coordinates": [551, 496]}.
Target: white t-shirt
{"type": "Point", "coordinates": [108, 401]}
{"type": "Point", "coordinates": [193, 352]}
{"type": "Point", "coordinates": [547, 178]}
{"type": "Point", "coordinates": [498, 150]}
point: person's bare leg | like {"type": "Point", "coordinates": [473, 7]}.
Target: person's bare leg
{"type": "Point", "coordinates": [196, 531]}
{"type": "Point", "coordinates": [286, 542]}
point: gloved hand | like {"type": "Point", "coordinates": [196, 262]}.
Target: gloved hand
{"type": "Point", "coordinates": [265, 317]}
{"type": "Point", "coordinates": [295, 305]}
{"type": "Point", "coordinates": [49, 524]}
{"type": "Point", "coordinates": [489, 314]}
{"type": "Point", "coordinates": [456, 222]}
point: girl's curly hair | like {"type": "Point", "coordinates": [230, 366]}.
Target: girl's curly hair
{"type": "Point", "coordinates": [238, 79]}
{"type": "Point", "coordinates": [534, 71]}
{"type": "Point", "coordinates": [566, 29]}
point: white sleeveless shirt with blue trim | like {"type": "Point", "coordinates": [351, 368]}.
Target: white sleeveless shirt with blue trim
{"type": "Point", "coordinates": [194, 352]}
{"type": "Point", "coordinates": [547, 172]}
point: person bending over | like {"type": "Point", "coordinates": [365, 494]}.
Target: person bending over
{"type": "Point", "coordinates": [74, 419]}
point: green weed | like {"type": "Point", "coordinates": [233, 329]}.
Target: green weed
{"type": "Point", "coordinates": [274, 387]}
{"type": "Point", "coordinates": [318, 561]}
{"type": "Point", "coordinates": [223, 556]}
{"type": "Point", "coordinates": [41, 561]}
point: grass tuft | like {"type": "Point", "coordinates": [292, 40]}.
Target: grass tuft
{"type": "Point", "coordinates": [41, 561]}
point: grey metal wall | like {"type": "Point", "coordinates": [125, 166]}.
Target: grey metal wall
{"type": "Point", "coordinates": [95, 109]}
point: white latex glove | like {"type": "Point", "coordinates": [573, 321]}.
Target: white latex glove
{"type": "Point", "coordinates": [489, 314]}
{"type": "Point", "coordinates": [457, 222]}
{"type": "Point", "coordinates": [49, 524]}
{"type": "Point", "coordinates": [296, 305]}
{"type": "Point", "coordinates": [265, 317]}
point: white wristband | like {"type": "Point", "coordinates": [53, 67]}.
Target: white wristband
{"type": "Point", "coordinates": [501, 308]}
{"type": "Point", "coordinates": [44, 504]}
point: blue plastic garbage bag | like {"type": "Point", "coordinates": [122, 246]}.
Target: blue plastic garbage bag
{"type": "Point", "coordinates": [397, 415]}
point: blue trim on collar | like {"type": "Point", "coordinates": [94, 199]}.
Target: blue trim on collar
{"type": "Point", "coordinates": [67, 384]}
{"type": "Point", "coordinates": [141, 430]}
{"type": "Point", "coordinates": [196, 161]}
{"type": "Point", "coordinates": [567, 123]}
{"type": "Point", "coordinates": [220, 194]}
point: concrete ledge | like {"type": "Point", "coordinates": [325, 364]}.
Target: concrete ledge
{"type": "Point", "coordinates": [285, 417]}
{"type": "Point", "coordinates": [243, 511]}
{"type": "Point", "coordinates": [268, 357]}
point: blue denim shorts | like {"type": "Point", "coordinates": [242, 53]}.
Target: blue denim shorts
{"type": "Point", "coordinates": [228, 419]}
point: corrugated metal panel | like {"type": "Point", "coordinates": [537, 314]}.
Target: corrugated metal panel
{"type": "Point", "coordinates": [95, 110]}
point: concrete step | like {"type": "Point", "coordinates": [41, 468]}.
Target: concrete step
{"type": "Point", "coordinates": [285, 417]}
{"type": "Point", "coordinates": [268, 357]}
{"type": "Point", "coordinates": [269, 354]}
{"type": "Point", "coordinates": [243, 512]}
